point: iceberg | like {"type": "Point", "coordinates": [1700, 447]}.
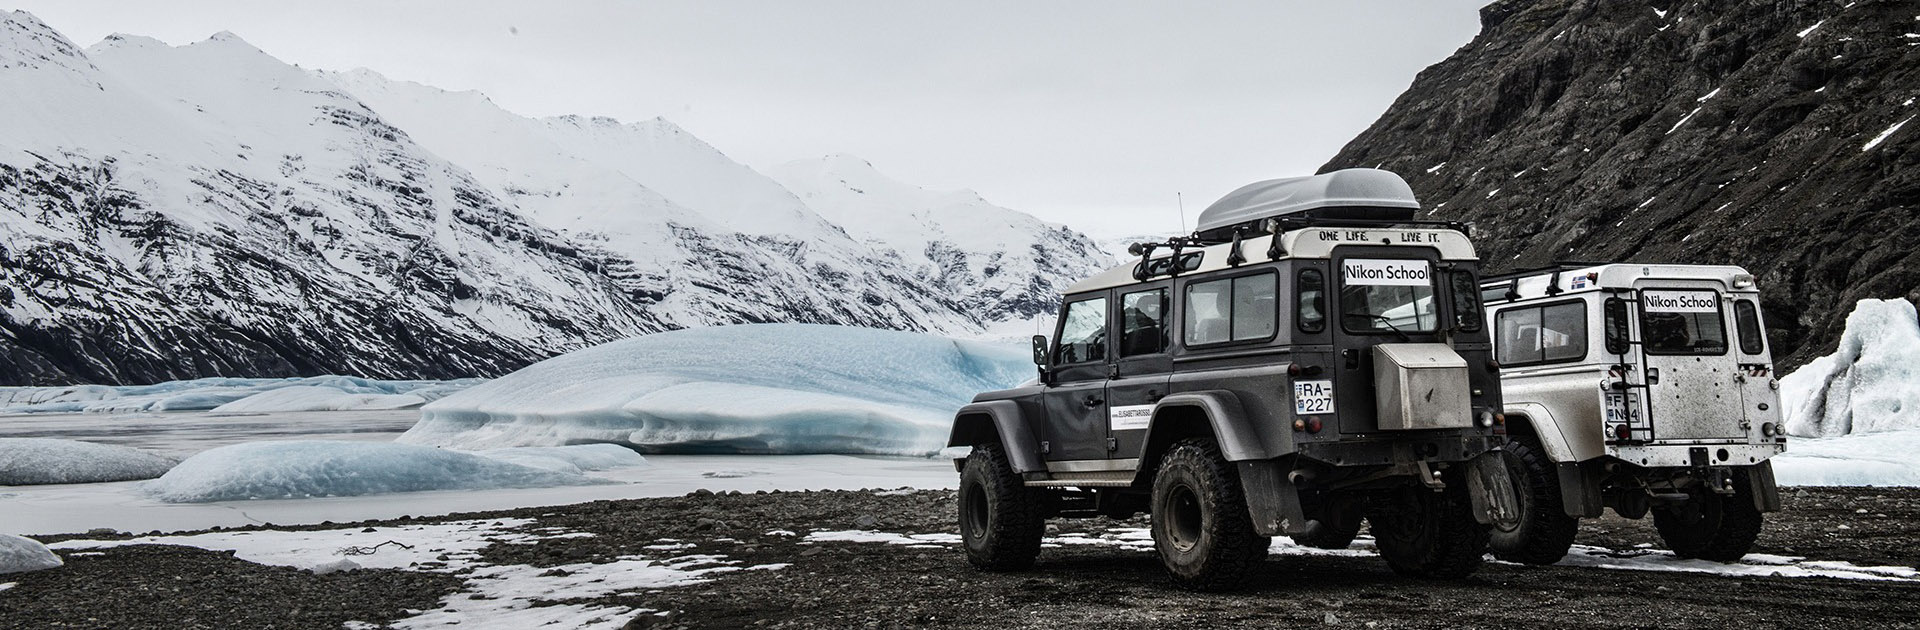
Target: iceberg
{"type": "Point", "coordinates": [37, 461]}
{"type": "Point", "coordinates": [19, 554]}
{"type": "Point", "coordinates": [1875, 459]}
{"type": "Point", "coordinates": [320, 468]}
{"type": "Point", "coordinates": [1871, 383]}
{"type": "Point", "coordinates": [760, 388]}
{"type": "Point", "coordinates": [236, 395]}
{"type": "Point", "coordinates": [569, 459]}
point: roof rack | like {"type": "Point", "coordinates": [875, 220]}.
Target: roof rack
{"type": "Point", "coordinates": [1278, 225]}
{"type": "Point", "coordinates": [1558, 265]}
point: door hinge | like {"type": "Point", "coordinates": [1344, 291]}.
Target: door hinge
{"type": "Point", "coordinates": [1113, 444]}
{"type": "Point", "coordinates": [1046, 447]}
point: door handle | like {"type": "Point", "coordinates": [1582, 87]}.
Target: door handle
{"type": "Point", "coordinates": [1154, 396]}
{"type": "Point", "coordinates": [1092, 402]}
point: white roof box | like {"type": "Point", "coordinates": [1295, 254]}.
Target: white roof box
{"type": "Point", "coordinates": [1362, 193]}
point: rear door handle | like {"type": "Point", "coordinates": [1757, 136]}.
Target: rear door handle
{"type": "Point", "coordinates": [1154, 396]}
{"type": "Point", "coordinates": [1092, 402]}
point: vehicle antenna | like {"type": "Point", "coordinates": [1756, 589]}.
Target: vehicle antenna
{"type": "Point", "coordinates": [1177, 200]}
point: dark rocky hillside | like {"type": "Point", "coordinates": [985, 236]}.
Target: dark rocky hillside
{"type": "Point", "coordinates": [1753, 133]}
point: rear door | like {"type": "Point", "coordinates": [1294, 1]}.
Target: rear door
{"type": "Point", "coordinates": [1690, 369]}
{"type": "Point", "coordinates": [1384, 295]}
{"type": "Point", "coordinates": [1142, 367]}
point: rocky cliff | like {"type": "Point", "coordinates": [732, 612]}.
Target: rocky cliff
{"type": "Point", "coordinates": [1777, 135]}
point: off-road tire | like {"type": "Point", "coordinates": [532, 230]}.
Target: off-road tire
{"type": "Point", "coordinates": [1429, 535]}
{"type": "Point", "coordinates": [1200, 523]}
{"type": "Point", "coordinates": [1338, 525]}
{"type": "Point", "coordinates": [1725, 528]}
{"type": "Point", "coordinates": [1000, 518]}
{"type": "Point", "coordinates": [1545, 532]}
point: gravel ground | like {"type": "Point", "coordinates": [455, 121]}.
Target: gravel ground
{"type": "Point", "coordinates": [868, 584]}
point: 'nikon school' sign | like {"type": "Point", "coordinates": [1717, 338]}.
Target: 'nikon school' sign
{"type": "Point", "coordinates": [1381, 272]}
{"type": "Point", "coordinates": [1679, 301]}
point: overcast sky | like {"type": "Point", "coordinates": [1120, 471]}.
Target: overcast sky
{"type": "Point", "coordinates": [1094, 113]}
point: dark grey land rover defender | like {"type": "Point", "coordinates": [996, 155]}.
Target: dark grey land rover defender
{"type": "Point", "coordinates": [1309, 357]}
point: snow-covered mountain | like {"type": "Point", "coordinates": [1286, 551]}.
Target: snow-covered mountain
{"type": "Point", "coordinates": [996, 260]}
{"type": "Point", "coordinates": [174, 212]}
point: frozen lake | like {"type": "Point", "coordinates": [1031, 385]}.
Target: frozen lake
{"type": "Point", "coordinates": [79, 507]}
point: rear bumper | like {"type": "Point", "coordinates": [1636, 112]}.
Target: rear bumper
{"type": "Point", "coordinates": [1693, 455]}
{"type": "Point", "coordinates": [1399, 449]}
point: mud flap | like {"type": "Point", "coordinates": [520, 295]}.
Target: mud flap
{"type": "Point", "coordinates": [1766, 493]}
{"type": "Point", "coordinates": [1579, 490]}
{"type": "Point", "coordinates": [1491, 488]}
{"type": "Point", "coordinates": [1272, 501]}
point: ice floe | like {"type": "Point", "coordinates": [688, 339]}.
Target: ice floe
{"type": "Point", "coordinates": [37, 461]}
{"type": "Point", "coordinates": [321, 468]}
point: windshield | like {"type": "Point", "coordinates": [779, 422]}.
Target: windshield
{"type": "Point", "coordinates": [1386, 296]}
{"type": "Point", "coordinates": [1682, 322]}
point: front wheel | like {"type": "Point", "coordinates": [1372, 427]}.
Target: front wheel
{"type": "Point", "coordinates": [1711, 526]}
{"type": "Point", "coordinates": [1427, 534]}
{"type": "Point", "coordinates": [1000, 518]}
{"type": "Point", "coordinates": [1544, 532]}
{"type": "Point", "coordinates": [1201, 527]}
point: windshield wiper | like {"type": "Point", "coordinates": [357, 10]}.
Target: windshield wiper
{"type": "Point", "coordinates": [1384, 320]}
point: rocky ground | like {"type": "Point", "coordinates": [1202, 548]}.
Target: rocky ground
{"type": "Point", "coordinates": [839, 584]}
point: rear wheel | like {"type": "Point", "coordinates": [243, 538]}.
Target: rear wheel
{"type": "Point", "coordinates": [1000, 518]}
{"type": "Point", "coordinates": [1544, 532]}
{"type": "Point", "coordinates": [1429, 534]}
{"type": "Point", "coordinates": [1711, 526]}
{"type": "Point", "coordinates": [1200, 523]}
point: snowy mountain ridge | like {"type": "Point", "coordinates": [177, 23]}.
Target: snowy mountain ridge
{"type": "Point", "coordinates": [176, 212]}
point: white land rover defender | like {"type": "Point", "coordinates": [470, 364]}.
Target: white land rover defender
{"type": "Point", "coordinates": [1308, 358]}
{"type": "Point", "coordinates": [1643, 388]}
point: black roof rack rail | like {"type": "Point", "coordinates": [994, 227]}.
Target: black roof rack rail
{"type": "Point", "coordinates": [1561, 265]}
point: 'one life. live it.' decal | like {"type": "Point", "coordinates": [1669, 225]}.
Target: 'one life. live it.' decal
{"type": "Point", "coordinates": [1382, 272]}
{"type": "Point", "coordinates": [1125, 417]}
{"type": "Point", "coordinates": [1679, 301]}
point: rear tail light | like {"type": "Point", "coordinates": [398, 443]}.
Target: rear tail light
{"type": "Point", "coordinates": [1308, 424]}
{"type": "Point", "coordinates": [1621, 432]}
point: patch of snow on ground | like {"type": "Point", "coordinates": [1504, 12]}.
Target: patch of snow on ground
{"type": "Point", "coordinates": [495, 596]}
{"type": "Point", "coordinates": [768, 388]}
{"type": "Point", "coordinates": [318, 468]}
{"type": "Point", "coordinates": [1753, 565]}
{"type": "Point", "coordinates": [36, 461]}
{"type": "Point", "coordinates": [19, 554]}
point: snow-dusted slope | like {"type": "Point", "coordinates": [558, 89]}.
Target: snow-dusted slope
{"type": "Point", "coordinates": [175, 212]}
{"type": "Point", "coordinates": [997, 260]}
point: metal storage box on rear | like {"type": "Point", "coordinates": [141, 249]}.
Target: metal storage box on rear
{"type": "Point", "coordinates": [1421, 386]}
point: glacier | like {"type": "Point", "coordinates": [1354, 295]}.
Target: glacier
{"type": "Point", "coordinates": [19, 554]}
{"type": "Point", "coordinates": [1871, 383]}
{"type": "Point", "coordinates": [231, 395]}
{"type": "Point", "coordinates": [761, 388]}
{"type": "Point", "coordinates": [324, 468]}
{"type": "Point", "coordinates": [38, 461]}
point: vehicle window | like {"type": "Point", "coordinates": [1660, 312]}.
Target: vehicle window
{"type": "Point", "coordinates": [1383, 296]}
{"type": "Point", "coordinates": [1563, 332]}
{"type": "Point", "coordinates": [1747, 316]}
{"type": "Point", "coordinates": [1682, 322]}
{"type": "Point", "coordinates": [1542, 334]}
{"type": "Point", "coordinates": [1466, 301]}
{"type": "Point", "coordinates": [1253, 312]}
{"type": "Point", "coordinates": [1233, 309]}
{"type": "Point", "coordinates": [1496, 292]}
{"type": "Point", "coordinates": [1618, 335]}
{"type": "Point", "coordinates": [1083, 337]}
{"type": "Point", "coordinates": [1313, 301]}
{"type": "Point", "coordinates": [1143, 322]}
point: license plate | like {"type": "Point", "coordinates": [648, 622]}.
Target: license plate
{"type": "Point", "coordinates": [1312, 397]}
{"type": "Point", "coordinates": [1621, 409]}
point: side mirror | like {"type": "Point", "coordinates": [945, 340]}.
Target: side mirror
{"type": "Point", "coordinates": [1040, 351]}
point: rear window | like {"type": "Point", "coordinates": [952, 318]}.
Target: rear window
{"type": "Point", "coordinates": [1747, 316]}
{"type": "Point", "coordinates": [1380, 296]}
{"type": "Point", "coordinates": [1682, 322]}
{"type": "Point", "coordinates": [1532, 335]}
